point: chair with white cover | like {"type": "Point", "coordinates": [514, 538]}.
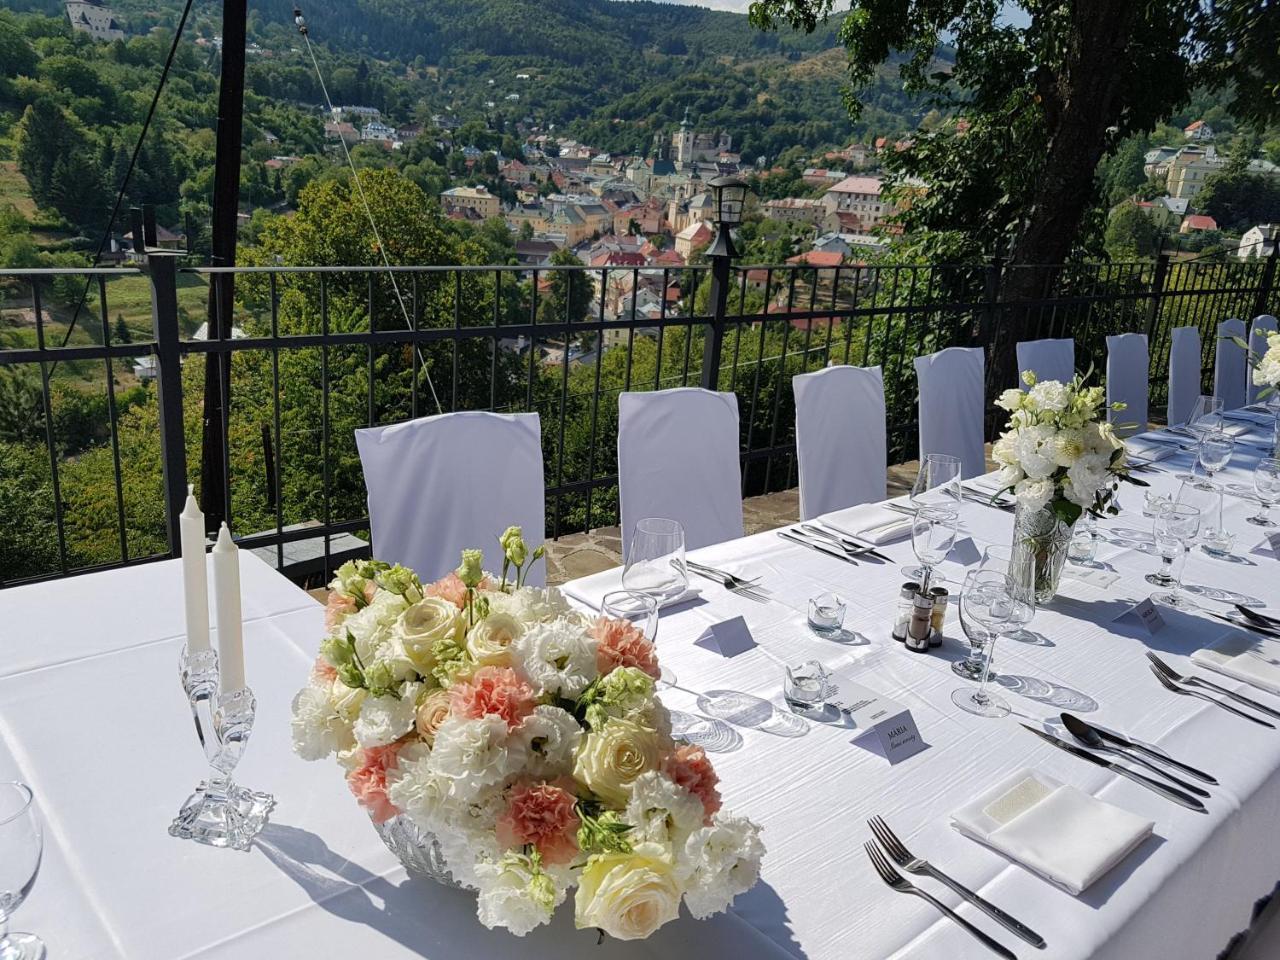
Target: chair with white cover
{"type": "Point", "coordinates": [952, 406]}
{"type": "Point", "coordinates": [1048, 359]}
{"type": "Point", "coordinates": [840, 438]}
{"type": "Point", "coordinates": [678, 459]}
{"type": "Point", "coordinates": [1128, 373]}
{"type": "Point", "coordinates": [1230, 370]}
{"type": "Point", "coordinates": [1184, 373]}
{"type": "Point", "coordinates": [439, 485]}
{"type": "Point", "coordinates": [1259, 330]}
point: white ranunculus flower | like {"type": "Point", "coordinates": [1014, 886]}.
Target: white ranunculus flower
{"type": "Point", "coordinates": [556, 657]}
{"type": "Point", "coordinates": [476, 753]}
{"type": "Point", "coordinates": [489, 641]}
{"type": "Point", "coordinates": [383, 720]}
{"type": "Point", "coordinates": [720, 862]}
{"type": "Point", "coordinates": [550, 737]}
{"type": "Point", "coordinates": [420, 626]}
{"type": "Point", "coordinates": [1034, 494]}
{"type": "Point", "coordinates": [346, 700]}
{"type": "Point", "coordinates": [513, 896]}
{"type": "Point", "coordinates": [1050, 396]}
{"type": "Point", "coordinates": [662, 811]}
{"type": "Point", "coordinates": [628, 895]}
{"type": "Point", "coordinates": [318, 729]}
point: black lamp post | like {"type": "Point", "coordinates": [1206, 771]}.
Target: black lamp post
{"type": "Point", "coordinates": [730, 193]}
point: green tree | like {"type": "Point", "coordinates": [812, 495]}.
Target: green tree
{"type": "Point", "coordinates": [17, 58]}
{"type": "Point", "coordinates": [1131, 233]}
{"type": "Point", "coordinates": [1237, 200]}
{"type": "Point", "coordinates": [46, 134]}
{"type": "Point", "coordinates": [569, 293]}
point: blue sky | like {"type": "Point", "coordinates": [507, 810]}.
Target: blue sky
{"type": "Point", "coordinates": [1011, 10]}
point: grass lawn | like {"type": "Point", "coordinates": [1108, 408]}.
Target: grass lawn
{"type": "Point", "coordinates": [14, 189]}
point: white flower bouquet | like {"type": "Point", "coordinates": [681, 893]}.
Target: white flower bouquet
{"type": "Point", "coordinates": [528, 740]}
{"type": "Point", "coordinates": [1266, 368]}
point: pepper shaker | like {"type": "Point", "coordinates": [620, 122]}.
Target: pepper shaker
{"type": "Point", "coordinates": [921, 626]}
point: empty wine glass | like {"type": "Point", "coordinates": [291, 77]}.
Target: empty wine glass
{"type": "Point", "coordinates": [1175, 528]}
{"type": "Point", "coordinates": [655, 560]}
{"type": "Point", "coordinates": [937, 485]}
{"type": "Point", "coordinates": [990, 602]}
{"type": "Point", "coordinates": [933, 533]}
{"type": "Point", "coordinates": [1266, 483]}
{"type": "Point", "coordinates": [20, 850]}
{"type": "Point", "coordinates": [1020, 567]}
{"type": "Point", "coordinates": [641, 611]}
{"type": "Point", "coordinates": [1213, 454]}
{"type": "Point", "coordinates": [971, 667]}
{"type": "Point", "coordinates": [1206, 415]}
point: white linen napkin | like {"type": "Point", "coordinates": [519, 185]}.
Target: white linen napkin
{"type": "Point", "coordinates": [591, 590]}
{"type": "Point", "coordinates": [1150, 452]}
{"type": "Point", "coordinates": [1053, 829]}
{"type": "Point", "coordinates": [1247, 657]}
{"type": "Point", "coordinates": [870, 522]}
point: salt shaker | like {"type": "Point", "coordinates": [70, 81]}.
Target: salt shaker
{"type": "Point", "coordinates": [939, 618]}
{"type": "Point", "coordinates": [903, 616]}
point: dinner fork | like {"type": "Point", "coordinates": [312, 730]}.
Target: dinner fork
{"type": "Point", "coordinates": [1191, 681]}
{"type": "Point", "coordinates": [903, 858]}
{"type": "Point", "coordinates": [899, 883]}
{"type": "Point", "coordinates": [732, 583]}
{"type": "Point", "coordinates": [1187, 691]}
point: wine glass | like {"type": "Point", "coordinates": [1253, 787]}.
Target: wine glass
{"type": "Point", "coordinates": [641, 611]}
{"type": "Point", "coordinates": [1020, 567]}
{"type": "Point", "coordinates": [971, 666]}
{"type": "Point", "coordinates": [20, 850]}
{"type": "Point", "coordinates": [937, 485]}
{"type": "Point", "coordinates": [933, 533]}
{"type": "Point", "coordinates": [1213, 454]}
{"type": "Point", "coordinates": [1266, 483]}
{"type": "Point", "coordinates": [1206, 415]}
{"type": "Point", "coordinates": [1175, 528]}
{"type": "Point", "coordinates": [991, 603]}
{"type": "Point", "coordinates": [655, 560]}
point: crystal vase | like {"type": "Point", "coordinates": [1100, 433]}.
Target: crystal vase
{"type": "Point", "coordinates": [417, 849]}
{"type": "Point", "coordinates": [1041, 543]}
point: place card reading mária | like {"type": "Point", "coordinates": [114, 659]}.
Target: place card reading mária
{"type": "Point", "coordinates": [869, 711]}
{"type": "Point", "coordinates": [727, 638]}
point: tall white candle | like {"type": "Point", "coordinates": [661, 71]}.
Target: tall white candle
{"type": "Point", "coordinates": [226, 591]}
{"type": "Point", "coordinates": [195, 575]}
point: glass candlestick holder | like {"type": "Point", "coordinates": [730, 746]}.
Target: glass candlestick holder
{"type": "Point", "coordinates": [220, 813]}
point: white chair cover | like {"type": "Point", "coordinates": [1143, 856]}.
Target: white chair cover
{"type": "Point", "coordinates": [840, 438]}
{"type": "Point", "coordinates": [1184, 373]}
{"type": "Point", "coordinates": [1128, 370]}
{"type": "Point", "coordinates": [1230, 371]}
{"type": "Point", "coordinates": [1049, 359]}
{"type": "Point", "coordinates": [1258, 331]}
{"type": "Point", "coordinates": [952, 406]}
{"type": "Point", "coordinates": [678, 458]}
{"type": "Point", "coordinates": [438, 485]}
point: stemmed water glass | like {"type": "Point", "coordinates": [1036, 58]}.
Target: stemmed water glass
{"type": "Point", "coordinates": [655, 560]}
{"type": "Point", "coordinates": [971, 667]}
{"type": "Point", "coordinates": [20, 850]}
{"type": "Point", "coordinates": [989, 601]}
{"type": "Point", "coordinates": [937, 485]}
{"type": "Point", "coordinates": [1175, 528]}
{"type": "Point", "coordinates": [933, 533]}
{"type": "Point", "coordinates": [1266, 483]}
{"type": "Point", "coordinates": [1206, 416]}
{"type": "Point", "coordinates": [1020, 567]}
{"type": "Point", "coordinates": [1213, 454]}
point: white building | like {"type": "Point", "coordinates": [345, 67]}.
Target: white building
{"type": "Point", "coordinates": [377, 130]}
{"type": "Point", "coordinates": [1259, 242]}
{"type": "Point", "coordinates": [858, 198]}
{"type": "Point", "coordinates": [95, 19]}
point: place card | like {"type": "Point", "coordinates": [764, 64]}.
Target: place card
{"type": "Point", "coordinates": [727, 638]}
{"type": "Point", "coordinates": [1093, 576]}
{"type": "Point", "coordinates": [1147, 614]}
{"type": "Point", "coordinates": [964, 552]}
{"type": "Point", "coordinates": [869, 712]}
{"type": "Point", "coordinates": [1269, 547]}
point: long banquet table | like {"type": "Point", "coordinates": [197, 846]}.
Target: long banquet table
{"type": "Point", "coordinates": [92, 716]}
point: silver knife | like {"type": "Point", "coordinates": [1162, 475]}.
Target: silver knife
{"type": "Point", "coordinates": [821, 548]}
{"type": "Point", "coordinates": [851, 544]}
{"type": "Point", "coordinates": [1169, 793]}
{"type": "Point", "coordinates": [1245, 625]}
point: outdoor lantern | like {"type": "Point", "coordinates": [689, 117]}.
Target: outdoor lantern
{"type": "Point", "coordinates": [730, 193]}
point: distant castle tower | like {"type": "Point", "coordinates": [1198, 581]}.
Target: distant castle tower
{"type": "Point", "coordinates": [682, 140]}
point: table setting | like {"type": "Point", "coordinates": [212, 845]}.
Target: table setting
{"type": "Point", "coordinates": [930, 727]}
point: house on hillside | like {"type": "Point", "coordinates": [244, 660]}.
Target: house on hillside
{"type": "Point", "coordinates": [692, 237]}
{"type": "Point", "coordinates": [1197, 222]}
{"type": "Point", "coordinates": [478, 199]}
{"type": "Point", "coordinates": [860, 198]}
{"type": "Point", "coordinates": [795, 210]}
{"type": "Point", "coordinates": [1198, 131]}
{"type": "Point", "coordinates": [377, 130]}
{"type": "Point", "coordinates": [94, 18]}
{"type": "Point", "coordinates": [1259, 242]}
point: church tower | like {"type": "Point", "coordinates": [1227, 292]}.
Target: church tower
{"type": "Point", "coordinates": [682, 140]}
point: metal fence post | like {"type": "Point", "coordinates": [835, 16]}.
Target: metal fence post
{"type": "Point", "coordinates": [1157, 292]}
{"type": "Point", "coordinates": [1268, 278]}
{"type": "Point", "coordinates": [161, 269]}
{"type": "Point", "coordinates": [714, 338]}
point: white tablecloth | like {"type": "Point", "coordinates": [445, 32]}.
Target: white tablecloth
{"type": "Point", "coordinates": [92, 716]}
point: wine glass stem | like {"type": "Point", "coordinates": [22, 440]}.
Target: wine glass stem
{"type": "Point", "coordinates": [980, 696]}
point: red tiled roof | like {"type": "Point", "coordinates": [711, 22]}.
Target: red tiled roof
{"type": "Point", "coordinates": [1198, 221]}
{"type": "Point", "coordinates": [818, 258]}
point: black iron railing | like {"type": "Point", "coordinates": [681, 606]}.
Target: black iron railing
{"type": "Point", "coordinates": [99, 437]}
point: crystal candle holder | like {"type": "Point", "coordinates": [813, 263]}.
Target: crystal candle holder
{"type": "Point", "coordinates": [220, 813]}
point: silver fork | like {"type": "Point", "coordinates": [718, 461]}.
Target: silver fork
{"type": "Point", "coordinates": [1191, 681]}
{"type": "Point", "coordinates": [895, 880]}
{"type": "Point", "coordinates": [733, 584]}
{"type": "Point", "coordinates": [903, 858]}
{"type": "Point", "coordinates": [1187, 691]}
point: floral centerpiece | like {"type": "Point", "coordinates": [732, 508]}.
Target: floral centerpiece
{"type": "Point", "coordinates": [1266, 368]}
{"type": "Point", "coordinates": [526, 740]}
{"type": "Point", "coordinates": [1059, 457]}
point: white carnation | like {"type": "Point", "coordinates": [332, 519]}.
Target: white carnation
{"type": "Point", "coordinates": [1050, 396]}
{"type": "Point", "coordinates": [514, 897]}
{"type": "Point", "coordinates": [318, 730]}
{"type": "Point", "coordinates": [557, 658]}
{"type": "Point", "coordinates": [662, 811]}
{"type": "Point", "coordinates": [474, 754]}
{"type": "Point", "coordinates": [550, 737]}
{"type": "Point", "coordinates": [531, 604]}
{"type": "Point", "coordinates": [720, 862]}
{"type": "Point", "coordinates": [383, 720]}
{"type": "Point", "coordinates": [1034, 494]}
{"type": "Point", "coordinates": [369, 624]}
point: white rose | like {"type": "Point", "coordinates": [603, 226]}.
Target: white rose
{"type": "Point", "coordinates": [720, 862]}
{"type": "Point", "coordinates": [318, 729]}
{"type": "Point", "coordinates": [489, 641]}
{"type": "Point", "coordinates": [420, 626]}
{"type": "Point", "coordinates": [346, 700]}
{"type": "Point", "coordinates": [1010, 400]}
{"type": "Point", "coordinates": [611, 758]}
{"type": "Point", "coordinates": [628, 895]}
{"type": "Point", "coordinates": [384, 720]}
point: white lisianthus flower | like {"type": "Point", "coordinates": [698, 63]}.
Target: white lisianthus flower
{"type": "Point", "coordinates": [369, 625]}
{"type": "Point", "coordinates": [662, 811]}
{"type": "Point", "coordinates": [1050, 396]}
{"type": "Point", "coordinates": [556, 657]}
{"type": "Point", "coordinates": [476, 753]}
{"type": "Point", "coordinates": [1010, 400]}
{"type": "Point", "coordinates": [1009, 476]}
{"type": "Point", "coordinates": [628, 895]}
{"type": "Point", "coordinates": [318, 729]}
{"type": "Point", "coordinates": [610, 759]}
{"type": "Point", "coordinates": [550, 737]}
{"type": "Point", "coordinates": [347, 700]}
{"type": "Point", "coordinates": [427, 622]}
{"type": "Point", "coordinates": [1028, 443]}
{"type": "Point", "coordinates": [720, 862]}
{"type": "Point", "coordinates": [489, 641]}
{"type": "Point", "coordinates": [516, 895]}
{"type": "Point", "coordinates": [1034, 494]}
{"type": "Point", "coordinates": [383, 720]}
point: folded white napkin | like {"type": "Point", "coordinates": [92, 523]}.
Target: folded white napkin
{"type": "Point", "coordinates": [870, 522]}
{"type": "Point", "coordinates": [591, 590]}
{"type": "Point", "coordinates": [1243, 656]}
{"type": "Point", "coordinates": [1059, 832]}
{"type": "Point", "coordinates": [1236, 429]}
{"type": "Point", "coordinates": [1150, 452]}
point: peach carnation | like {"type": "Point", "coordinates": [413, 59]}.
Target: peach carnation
{"type": "Point", "coordinates": [452, 588]}
{"type": "Point", "coordinates": [338, 606]}
{"type": "Point", "coordinates": [322, 671]}
{"type": "Point", "coordinates": [622, 644]}
{"type": "Point", "coordinates": [368, 780]}
{"type": "Point", "coordinates": [493, 691]}
{"type": "Point", "coordinates": [689, 767]}
{"type": "Point", "coordinates": [542, 814]}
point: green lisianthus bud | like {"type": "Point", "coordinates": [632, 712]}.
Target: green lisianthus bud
{"type": "Point", "coordinates": [471, 571]}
